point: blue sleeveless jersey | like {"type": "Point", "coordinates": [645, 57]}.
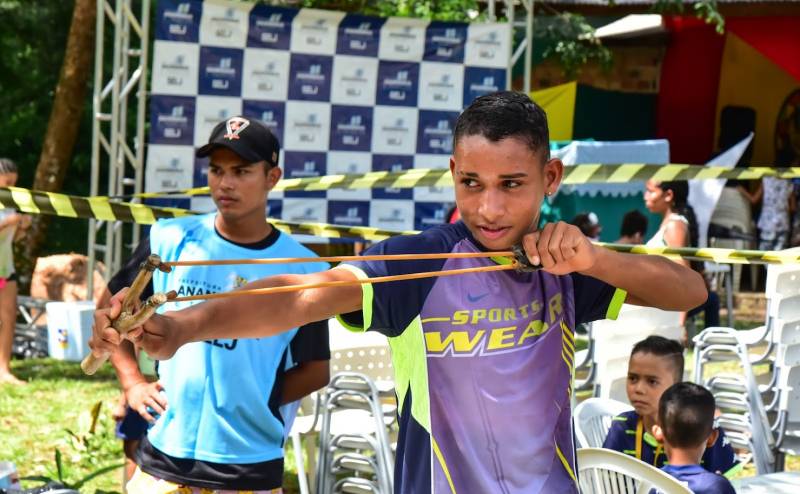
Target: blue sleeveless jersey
{"type": "Point", "coordinates": [218, 391]}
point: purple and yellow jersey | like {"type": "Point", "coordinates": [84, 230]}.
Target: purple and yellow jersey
{"type": "Point", "coordinates": [483, 366]}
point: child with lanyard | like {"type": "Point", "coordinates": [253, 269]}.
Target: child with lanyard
{"type": "Point", "coordinates": [686, 428]}
{"type": "Point", "coordinates": [483, 361]}
{"type": "Point", "coordinates": [656, 363]}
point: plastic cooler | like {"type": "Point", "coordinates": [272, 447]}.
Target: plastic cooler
{"type": "Point", "coordinates": [69, 326]}
{"type": "Point", "coordinates": [9, 478]}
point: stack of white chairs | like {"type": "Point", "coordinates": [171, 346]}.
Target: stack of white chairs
{"type": "Point", "coordinates": [743, 416]}
{"type": "Point", "coordinates": [784, 385]}
{"type": "Point", "coordinates": [614, 339]}
{"type": "Point", "coordinates": [787, 391]}
{"type": "Point", "coordinates": [783, 298]}
{"type": "Point", "coordinates": [355, 452]}
{"type": "Point", "coordinates": [763, 418]}
{"type": "Point", "coordinates": [357, 416]}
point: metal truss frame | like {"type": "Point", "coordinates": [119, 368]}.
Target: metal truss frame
{"type": "Point", "coordinates": [119, 107]}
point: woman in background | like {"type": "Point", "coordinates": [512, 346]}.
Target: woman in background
{"type": "Point", "coordinates": [679, 229]}
{"type": "Point", "coordinates": [10, 222]}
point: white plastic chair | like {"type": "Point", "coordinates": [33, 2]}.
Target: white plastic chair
{"type": "Point", "coordinates": [303, 435]}
{"type": "Point", "coordinates": [357, 412]}
{"type": "Point", "coordinates": [603, 471]}
{"type": "Point", "coordinates": [593, 419]}
{"type": "Point", "coordinates": [366, 354]}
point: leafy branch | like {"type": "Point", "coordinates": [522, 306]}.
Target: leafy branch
{"type": "Point", "coordinates": [572, 41]}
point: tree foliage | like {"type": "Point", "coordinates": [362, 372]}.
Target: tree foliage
{"type": "Point", "coordinates": [32, 41]}
{"type": "Point", "coordinates": [440, 10]}
{"type": "Point", "coordinates": [570, 39]}
{"type": "Point", "coordinates": [63, 123]}
{"type": "Point", "coordinates": [32, 46]}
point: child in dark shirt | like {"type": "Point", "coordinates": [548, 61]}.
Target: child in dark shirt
{"type": "Point", "coordinates": [686, 429]}
{"type": "Point", "coordinates": [656, 363]}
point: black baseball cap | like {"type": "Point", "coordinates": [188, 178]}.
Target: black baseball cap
{"type": "Point", "coordinates": [247, 137]}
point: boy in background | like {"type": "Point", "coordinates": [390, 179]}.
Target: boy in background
{"type": "Point", "coordinates": [656, 363]}
{"type": "Point", "coordinates": [686, 429]}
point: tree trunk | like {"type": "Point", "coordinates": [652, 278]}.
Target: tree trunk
{"type": "Point", "coordinates": [62, 128]}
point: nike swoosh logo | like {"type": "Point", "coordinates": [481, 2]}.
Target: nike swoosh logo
{"type": "Point", "coordinates": [475, 299]}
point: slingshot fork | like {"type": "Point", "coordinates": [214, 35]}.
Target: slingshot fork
{"type": "Point", "coordinates": [128, 317]}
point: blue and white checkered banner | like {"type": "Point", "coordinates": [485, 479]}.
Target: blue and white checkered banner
{"type": "Point", "coordinates": [343, 93]}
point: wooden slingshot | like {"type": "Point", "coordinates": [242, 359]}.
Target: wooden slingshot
{"type": "Point", "coordinates": [515, 259]}
{"type": "Point", "coordinates": [129, 317]}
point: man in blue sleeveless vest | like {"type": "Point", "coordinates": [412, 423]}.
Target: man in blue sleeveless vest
{"type": "Point", "coordinates": [214, 413]}
{"type": "Point", "coordinates": [483, 361]}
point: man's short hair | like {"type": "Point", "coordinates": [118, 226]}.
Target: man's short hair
{"type": "Point", "coordinates": [632, 223]}
{"type": "Point", "coordinates": [663, 347]}
{"type": "Point", "coordinates": [686, 414]}
{"type": "Point", "coordinates": [504, 114]}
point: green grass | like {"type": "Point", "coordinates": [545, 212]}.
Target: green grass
{"type": "Point", "coordinates": [35, 420]}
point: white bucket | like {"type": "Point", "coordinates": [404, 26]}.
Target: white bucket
{"type": "Point", "coordinates": [69, 326]}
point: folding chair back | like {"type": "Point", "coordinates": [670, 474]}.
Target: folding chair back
{"type": "Point", "coordinates": [603, 471]}
{"type": "Point", "coordinates": [786, 307]}
{"type": "Point", "coordinates": [784, 279]}
{"type": "Point", "coordinates": [786, 332]}
{"type": "Point", "coordinates": [593, 418]}
{"type": "Point", "coordinates": [614, 339]}
{"type": "Point", "coordinates": [788, 388]}
{"type": "Point", "coordinates": [373, 361]}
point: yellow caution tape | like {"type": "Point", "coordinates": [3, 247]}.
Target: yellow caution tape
{"type": "Point", "coordinates": [100, 208]}
{"type": "Point", "coordinates": [715, 255]}
{"type": "Point", "coordinates": [573, 175]}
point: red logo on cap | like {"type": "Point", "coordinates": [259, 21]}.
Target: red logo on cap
{"type": "Point", "coordinates": [235, 126]}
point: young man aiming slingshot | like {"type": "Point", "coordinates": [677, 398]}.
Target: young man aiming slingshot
{"type": "Point", "coordinates": [483, 361]}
